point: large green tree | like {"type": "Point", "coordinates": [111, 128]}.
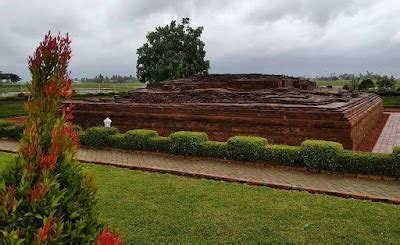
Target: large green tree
{"type": "Point", "coordinates": [171, 52]}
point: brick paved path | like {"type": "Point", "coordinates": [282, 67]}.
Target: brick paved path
{"type": "Point", "coordinates": [390, 135]}
{"type": "Point", "coordinates": [276, 177]}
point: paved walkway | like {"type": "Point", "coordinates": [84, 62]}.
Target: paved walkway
{"type": "Point", "coordinates": [390, 135]}
{"type": "Point", "coordinates": [275, 177]}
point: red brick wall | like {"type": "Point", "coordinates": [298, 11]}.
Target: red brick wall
{"type": "Point", "coordinates": [279, 124]}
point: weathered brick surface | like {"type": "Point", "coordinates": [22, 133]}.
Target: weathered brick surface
{"type": "Point", "coordinates": [283, 109]}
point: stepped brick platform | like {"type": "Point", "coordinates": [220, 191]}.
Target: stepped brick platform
{"type": "Point", "coordinates": [286, 110]}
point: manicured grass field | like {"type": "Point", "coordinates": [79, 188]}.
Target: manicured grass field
{"type": "Point", "coordinates": [160, 208]}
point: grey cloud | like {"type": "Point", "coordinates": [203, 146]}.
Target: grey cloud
{"type": "Point", "coordinates": [297, 37]}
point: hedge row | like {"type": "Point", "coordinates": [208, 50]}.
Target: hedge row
{"type": "Point", "coordinates": [312, 154]}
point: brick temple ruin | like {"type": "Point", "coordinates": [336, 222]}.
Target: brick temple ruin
{"type": "Point", "coordinates": [285, 110]}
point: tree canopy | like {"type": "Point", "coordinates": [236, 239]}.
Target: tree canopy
{"type": "Point", "coordinates": [10, 76]}
{"type": "Point", "coordinates": [171, 52]}
{"type": "Point", "coordinates": [386, 83]}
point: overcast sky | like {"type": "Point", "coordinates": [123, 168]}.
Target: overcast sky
{"type": "Point", "coordinates": [294, 37]}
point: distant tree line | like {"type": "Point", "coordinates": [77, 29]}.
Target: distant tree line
{"type": "Point", "coordinates": [383, 83]}
{"type": "Point", "coordinates": [346, 76]}
{"type": "Point", "coordinates": [105, 79]}
{"type": "Point", "coordinates": [9, 77]}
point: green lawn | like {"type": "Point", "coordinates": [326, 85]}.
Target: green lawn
{"type": "Point", "coordinates": [161, 208]}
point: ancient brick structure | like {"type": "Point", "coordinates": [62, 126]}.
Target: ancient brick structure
{"type": "Point", "coordinates": [285, 110]}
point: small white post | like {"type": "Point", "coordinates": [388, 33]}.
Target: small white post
{"type": "Point", "coordinates": [107, 122]}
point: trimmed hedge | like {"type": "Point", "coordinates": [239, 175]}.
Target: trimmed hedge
{"type": "Point", "coordinates": [246, 148]}
{"type": "Point", "coordinates": [187, 143]}
{"type": "Point", "coordinates": [283, 154]}
{"type": "Point", "coordinates": [139, 139]}
{"type": "Point", "coordinates": [319, 154]}
{"type": "Point", "coordinates": [214, 149]}
{"type": "Point", "coordinates": [313, 154]}
{"type": "Point", "coordinates": [368, 163]}
{"type": "Point", "coordinates": [97, 136]}
{"type": "Point", "coordinates": [11, 130]}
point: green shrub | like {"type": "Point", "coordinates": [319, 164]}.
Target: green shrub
{"type": "Point", "coordinates": [139, 139]}
{"type": "Point", "coordinates": [11, 130]}
{"type": "Point", "coordinates": [246, 148]}
{"type": "Point", "coordinates": [118, 141]}
{"type": "Point", "coordinates": [368, 163]}
{"type": "Point", "coordinates": [319, 154]}
{"type": "Point", "coordinates": [396, 150]}
{"type": "Point", "coordinates": [283, 154]}
{"type": "Point", "coordinates": [213, 149]}
{"type": "Point", "coordinates": [77, 128]}
{"type": "Point", "coordinates": [187, 143]}
{"type": "Point", "coordinates": [160, 144]}
{"type": "Point", "coordinates": [98, 136]}
{"type": "Point", "coordinates": [6, 124]}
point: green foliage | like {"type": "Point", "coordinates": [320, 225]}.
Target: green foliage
{"type": "Point", "coordinates": [368, 163]}
{"type": "Point", "coordinates": [171, 204]}
{"type": "Point", "coordinates": [366, 84]}
{"type": "Point", "coordinates": [98, 136]}
{"type": "Point", "coordinates": [319, 154]}
{"type": "Point", "coordinates": [354, 86]}
{"type": "Point", "coordinates": [171, 52]}
{"type": "Point", "coordinates": [214, 149]}
{"type": "Point", "coordinates": [346, 87]}
{"type": "Point", "coordinates": [160, 144]}
{"type": "Point", "coordinates": [246, 148]}
{"type": "Point", "coordinates": [386, 83]}
{"type": "Point", "coordinates": [11, 130]}
{"type": "Point", "coordinates": [187, 143]}
{"type": "Point", "coordinates": [139, 139]}
{"type": "Point", "coordinates": [396, 151]}
{"type": "Point", "coordinates": [45, 196]}
{"type": "Point", "coordinates": [283, 154]}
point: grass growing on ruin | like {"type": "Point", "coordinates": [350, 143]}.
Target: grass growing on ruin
{"type": "Point", "coordinates": [161, 208]}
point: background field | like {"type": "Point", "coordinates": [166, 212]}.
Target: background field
{"type": "Point", "coordinates": [340, 83]}
{"type": "Point", "coordinates": [161, 208]}
{"type": "Point", "coordinates": [78, 87]}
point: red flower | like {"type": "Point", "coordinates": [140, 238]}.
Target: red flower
{"type": "Point", "coordinates": [108, 237]}
{"type": "Point", "coordinates": [11, 191]}
{"type": "Point", "coordinates": [45, 233]}
{"type": "Point", "coordinates": [47, 161]}
{"type": "Point", "coordinates": [37, 193]}
{"type": "Point", "coordinates": [31, 151]}
{"type": "Point", "coordinates": [67, 111]}
{"type": "Point", "coordinates": [49, 88]}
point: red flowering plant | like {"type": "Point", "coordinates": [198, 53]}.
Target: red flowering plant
{"type": "Point", "coordinates": [46, 197]}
